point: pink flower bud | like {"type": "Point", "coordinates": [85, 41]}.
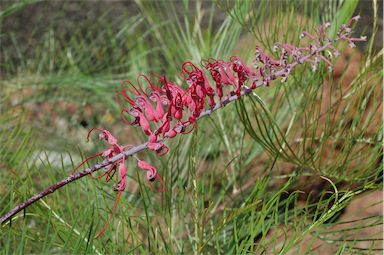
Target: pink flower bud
{"type": "Point", "coordinates": [171, 133]}
{"type": "Point", "coordinates": [122, 177]}
{"type": "Point", "coordinates": [151, 171]}
{"type": "Point", "coordinates": [152, 138]}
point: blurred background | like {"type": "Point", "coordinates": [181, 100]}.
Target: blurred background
{"type": "Point", "coordinates": [61, 63]}
{"type": "Point", "coordinates": [58, 57]}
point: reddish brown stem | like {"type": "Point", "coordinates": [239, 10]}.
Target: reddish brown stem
{"type": "Point", "coordinates": [70, 179]}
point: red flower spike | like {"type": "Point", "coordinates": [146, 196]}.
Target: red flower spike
{"type": "Point", "coordinates": [169, 110]}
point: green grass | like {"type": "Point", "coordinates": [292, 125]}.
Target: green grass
{"type": "Point", "coordinates": [272, 173]}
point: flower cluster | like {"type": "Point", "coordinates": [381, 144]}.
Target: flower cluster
{"type": "Point", "coordinates": [163, 109]}
{"type": "Point", "coordinates": [108, 154]}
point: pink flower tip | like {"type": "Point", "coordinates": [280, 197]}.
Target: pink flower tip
{"type": "Point", "coordinates": [151, 171]}
{"type": "Point", "coordinates": [105, 135]}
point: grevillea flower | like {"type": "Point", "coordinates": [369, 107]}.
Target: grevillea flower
{"type": "Point", "coordinates": [152, 174]}
{"type": "Point", "coordinates": [177, 107]}
{"type": "Point", "coordinates": [165, 110]}
{"type": "Point", "coordinates": [109, 153]}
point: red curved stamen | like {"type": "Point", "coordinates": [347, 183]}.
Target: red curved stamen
{"type": "Point", "coordinates": [85, 161]}
{"type": "Point", "coordinates": [135, 92]}
{"type": "Point", "coordinates": [91, 130]}
{"type": "Point", "coordinates": [151, 87]}
{"type": "Point", "coordinates": [112, 213]}
{"type": "Point", "coordinates": [124, 117]}
{"type": "Point", "coordinates": [161, 183]}
{"type": "Point", "coordinates": [193, 127]}
{"type": "Point", "coordinates": [125, 96]}
{"type": "Point", "coordinates": [162, 152]}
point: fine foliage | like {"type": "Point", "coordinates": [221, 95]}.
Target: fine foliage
{"type": "Point", "coordinates": [274, 172]}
